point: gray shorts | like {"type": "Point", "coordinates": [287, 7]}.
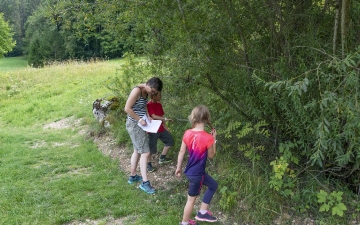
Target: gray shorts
{"type": "Point", "coordinates": [164, 136]}
{"type": "Point", "coordinates": [138, 137]}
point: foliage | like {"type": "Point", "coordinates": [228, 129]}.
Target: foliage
{"type": "Point", "coordinates": [243, 192]}
{"type": "Point", "coordinates": [78, 30]}
{"type": "Point", "coordinates": [332, 201]}
{"type": "Point", "coordinates": [264, 61]}
{"type": "Point", "coordinates": [249, 137]}
{"type": "Point", "coordinates": [6, 41]}
{"type": "Point", "coordinates": [17, 13]}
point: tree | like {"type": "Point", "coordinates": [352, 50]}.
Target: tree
{"type": "Point", "coordinates": [17, 12]}
{"type": "Point", "coordinates": [6, 41]}
{"type": "Point", "coordinates": [267, 61]}
{"type": "Point", "coordinates": [84, 29]}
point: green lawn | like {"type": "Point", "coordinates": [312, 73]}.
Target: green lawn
{"type": "Point", "coordinates": [55, 176]}
{"type": "Point", "coordinates": [12, 63]}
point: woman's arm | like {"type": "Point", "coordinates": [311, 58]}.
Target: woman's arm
{"type": "Point", "coordinates": [148, 115]}
{"type": "Point", "coordinates": [134, 95]}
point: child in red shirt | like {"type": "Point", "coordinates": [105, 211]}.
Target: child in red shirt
{"type": "Point", "coordinates": [156, 112]}
{"type": "Point", "coordinates": [200, 145]}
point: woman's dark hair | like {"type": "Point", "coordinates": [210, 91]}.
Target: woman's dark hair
{"type": "Point", "coordinates": [156, 83]}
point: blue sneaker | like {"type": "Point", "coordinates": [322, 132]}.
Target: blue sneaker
{"type": "Point", "coordinates": [134, 179]}
{"type": "Point", "coordinates": [146, 186]}
{"type": "Point", "coordinates": [206, 217]}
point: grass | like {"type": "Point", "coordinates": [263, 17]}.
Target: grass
{"type": "Point", "coordinates": [13, 63]}
{"type": "Point", "coordinates": [54, 176]}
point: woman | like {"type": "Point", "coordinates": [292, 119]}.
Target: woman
{"type": "Point", "coordinates": [135, 108]}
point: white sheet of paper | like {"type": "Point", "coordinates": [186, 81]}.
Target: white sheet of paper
{"type": "Point", "coordinates": [152, 127]}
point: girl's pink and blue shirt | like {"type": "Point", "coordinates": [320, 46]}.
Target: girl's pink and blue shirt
{"type": "Point", "coordinates": [197, 143]}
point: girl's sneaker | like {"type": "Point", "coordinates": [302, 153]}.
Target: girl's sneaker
{"type": "Point", "coordinates": [164, 160]}
{"type": "Point", "coordinates": [191, 222]}
{"type": "Point", "coordinates": [150, 169]}
{"type": "Point", "coordinates": [206, 217]}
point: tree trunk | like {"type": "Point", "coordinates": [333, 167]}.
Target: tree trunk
{"type": "Point", "coordinates": [336, 25]}
{"type": "Point", "coordinates": [345, 8]}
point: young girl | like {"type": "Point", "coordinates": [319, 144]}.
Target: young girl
{"type": "Point", "coordinates": [200, 145]}
{"type": "Point", "coordinates": [135, 107]}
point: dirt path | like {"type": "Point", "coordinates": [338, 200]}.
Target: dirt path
{"type": "Point", "coordinates": [157, 178]}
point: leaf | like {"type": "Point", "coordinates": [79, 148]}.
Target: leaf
{"type": "Point", "coordinates": [337, 195]}
{"type": "Point", "coordinates": [223, 190]}
{"type": "Point", "coordinates": [339, 209]}
{"type": "Point", "coordinates": [304, 87]}
{"type": "Point", "coordinates": [326, 129]}
{"type": "Point", "coordinates": [322, 195]}
{"type": "Point", "coordinates": [324, 207]}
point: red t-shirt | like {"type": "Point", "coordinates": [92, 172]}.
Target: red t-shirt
{"type": "Point", "coordinates": [157, 109]}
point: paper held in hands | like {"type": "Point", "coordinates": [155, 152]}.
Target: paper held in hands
{"type": "Point", "coordinates": [151, 127]}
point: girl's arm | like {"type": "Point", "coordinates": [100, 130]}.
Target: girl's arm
{"type": "Point", "coordinates": [212, 149]}
{"type": "Point", "coordinates": [180, 159]}
{"type": "Point", "coordinates": [163, 118]}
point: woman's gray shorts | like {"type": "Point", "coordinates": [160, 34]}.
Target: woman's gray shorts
{"type": "Point", "coordinates": [138, 137]}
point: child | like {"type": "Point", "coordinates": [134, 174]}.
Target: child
{"type": "Point", "coordinates": [200, 145]}
{"type": "Point", "coordinates": [135, 107]}
{"type": "Point", "coordinates": [156, 112]}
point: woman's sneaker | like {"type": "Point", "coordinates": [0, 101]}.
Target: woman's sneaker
{"type": "Point", "coordinates": [134, 179]}
{"type": "Point", "coordinates": [146, 186]}
{"type": "Point", "coordinates": [191, 222]}
{"type": "Point", "coordinates": [206, 217]}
